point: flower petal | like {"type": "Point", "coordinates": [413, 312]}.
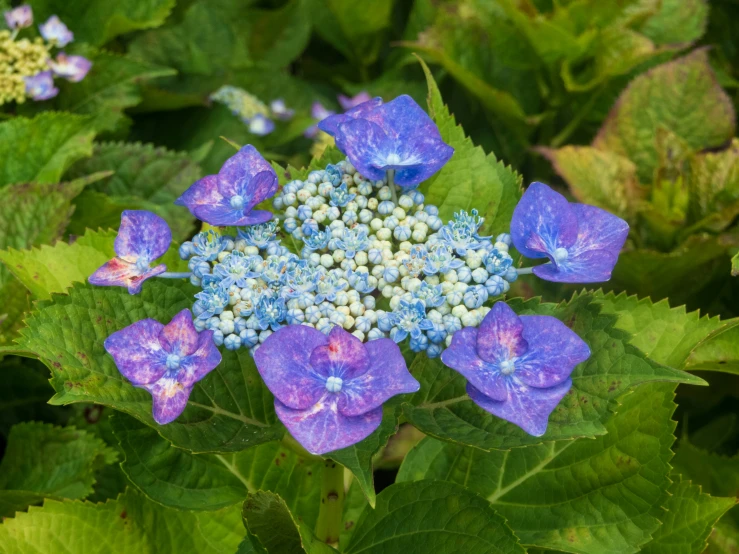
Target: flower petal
{"type": "Point", "coordinates": [238, 173]}
{"type": "Point", "coordinates": [137, 352]}
{"type": "Point", "coordinates": [142, 236]}
{"type": "Point", "coordinates": [120, 273]}
{"type": "Point", "coordinates": [433, 152]}
{"type": "Point", "coordinates": [500, 335]}
{"type": "Point", "coordinates": [179, 336]}
{"type": "Point", "coordinates": [344, 356]}
{"type": "Point", "coordinates": [283, 361]}
{"type": "Point", "coordinates": [262, 186]}
{"type": "Point", "coordinates": [601, 235]}
{"type": "Point", "coordinates": [402, 118]}
{"type": "Point", "coordinates": [201, 362]}
{"type": "Point", "coordinates": [331, 123]}
{"type": "Point", "coordinates": [554, 351]}
{"type": "Point", "coordinates": [386, 377]}
{"type": "Point", "coordinates": [203, 192]}
{"type": "Point", "coordinates": [527, 407]}
{"type": "Point", "coordinates": [542, 221]}
{"type": "Point", "coordinates": [169, 399]}
{"type": "Point", "coordinates": [322, 428]}
{"type": "Point", "coordinates": [366, 145]}
{"type": "Point", "coordinates": [461, 356]}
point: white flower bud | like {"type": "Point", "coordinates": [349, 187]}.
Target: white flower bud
{"type": "Point", "coordinates": [413, 284]}
{"type": "Point", "coordinates": [444, 309]}
{"type": "Point", "coordinates": [339, 256]}
{"type": "Point", "coordinates": [469, 319]}
{"type": "Point", "coordinates": [394, 301]}
{"type": "Point", "coordinates": [327, 260]}
{"type": "Point", "coordinates": [359, 335]}
{"type": "Point", "coordinates": [372, 204]}
{"type": "Point", "coordinates": [399, 213]}
{"type": "Point", "coordinates": [343, 309]}
{"type": "Point", "coordinates": [480, 275]}
{"type": "Point", "coordinates": [384, 193]}
{"type": "Point", "coordinates": [405, 202]}
{"type": "Point", "coordinates": [451, 276]}
{"type": "Point", "coordinates": [342, 298]}
{"type": "Point", "coordinates": [459, 311]}
{"type": "Point", "coordinates": [361, 258]}
{"type": "Point", "coordinates": [387, 291]}
{"type": "Point", "coordinates": [303, 196]}
{"type": "Point", "coordinates": [356, 309]}
{"type": "Point", "coordinates": [418, 236]}
{"type": "Point", "coordinates": [384, 234]}
{"type": "Point", "coordinates": [371, 315]}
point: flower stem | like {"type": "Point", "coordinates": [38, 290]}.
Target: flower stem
{"type": "Point", "coordinates": [391, 184]}
{"type": "Point", "coordinates": [331, 509]}
{"type": "Point", "coordinates": [172, 275]}
{"type": "Point", "coordinates": [525, 270]}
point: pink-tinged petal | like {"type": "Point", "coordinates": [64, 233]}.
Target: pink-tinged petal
{"type": "Point", "coordinates": [322, 428]}
{"type": "Point", "coordinates": [169, 399]}
{"type": "Point", "coordinates": [331, 123]}
{"type": "Point", "coordinates": [137, 352]}
{"type": "Point", "coordinates": [543, 221]}
{"type": "Point", "coordinates": [142, 236]}
{"type": "Point", "coordinates": [527, 407]}
{"type": "Point", "coordinates": [239, 171]}
{"type": "Point", "coordinates": [386, 377]}
{"type": "Point", "coordinates": [366, 145]}
{"type": "Point", "coordinates": [283, 361]}
{"type": "Point", "coordinates": [554, 351]}
{"type": "Point", "coordinates": [343, 356]}
{"type": "Point", "coordinates": [179, 335]}
{"type": "Point", "coordinates": [601, 235]}
{"type": "Point", "coordinates": [72, 68]}
{"type": "Point", "coordinates": [201, 362]}
{"type": "Point", "coordinates": [120, 273]}
{"type": "Point", "coordinates": [203, 192]}
{"type": "Point", "coordinates": [500, 335]}
{"type": "Point", "coordinates": [461, 356]}
{"type": "Point", "coordinates": [224, 216]}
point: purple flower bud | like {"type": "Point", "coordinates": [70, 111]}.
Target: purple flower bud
{"type": "Point", "coordinates": [72, 68]}
{"type": "Point", "coordinates": [166, 360]}
{"type": "Point", "coordinates": [517, 368]}
{"type": "Point", "coordinates": [582, 242]}
{"type": "Point", "coordinates": [19, 17]}
{"type": "Point", "coordinates": [55, 31]}
{"type": "Point", "coordinates": [142, 238]}
{"type": "Point", "coordinates": [41, 86]}
{"type": "Point", "coordinates": [329, 390]}
{"type": "Point", "coordinates": [245, 180]}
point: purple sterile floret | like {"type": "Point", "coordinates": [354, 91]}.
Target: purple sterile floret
{"type": "Point", "coordinates": [142, 238]}
{"type": "Point", "coordinates": [56, 31]}
{"type": "Point", "coordinates": [517, 367]}
{"type": "Point", "coordinates": [19, 17]}
{"type": "Point", "coordinates": [245, 180]}
{"type": "Point", "coordinates": [329, 390]}
{"type": "Point", "coordinates": [72, 68]}
{"type": "Point", "coordinates": [41, 86]}
{"type": "Point", "coordinates": [349, 102]}
{"type": "Point", "coordinates": [166, 360]}
{"type": "Point", "coordinates": [395, 136]}
{"type": "Point", "coordinates": [582, 242]}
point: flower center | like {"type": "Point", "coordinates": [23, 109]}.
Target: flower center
{"type": "Point", "coordinates": [393, 159]}
{"type": "Point", "coordinates": [507, 367]}
{"type": "Point", "coordinates": [237, 202]}
{"type": "Point", "coordinates": [560, 255]}
{"type": "Point", "coordinates": [173, 361]}
{"type": "Point", "coordinates": [142, 265]}
{"type": "Point", "coordinates": [333, 384]}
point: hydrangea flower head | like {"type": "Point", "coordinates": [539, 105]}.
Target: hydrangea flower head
{"type": "Point", "coordinates": [582, 242]}
{"type": "Point", "coordinates": [245, 180]}
{"type": "Point", "coordinates": [72, 68]}
{"type": "Point", "coordinates": [41, 86]}
{"type": "Point", "coordinates": [19, 18]}
{"type": "Point", "coordinates": [329, 390]}
{"type": "Point", "coordinates": [55, 31]}
{"type": "Point", "coordinates": [166, 360]}
{"type": "Point", "coordinates": [395, 136]}
{"type": "Point", "coordinates": [142, 238]}
{"type": "Point", "coordinates": [517, 368]}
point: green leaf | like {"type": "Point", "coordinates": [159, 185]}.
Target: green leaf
{"type": "Point", "coordinates": [595, 177]}
{"type": "Point", "coordinates": [267, 517]}
{"type": "Point", "coordinates": [431, 516]}
{"type": "Point", "coordinates": [716, 474]}
{"type": "Point", "coordinates": [681, 96]}
{"type": "Point", "coordinates": [98, 21]}
{"type": "Point", "coordinates": [24, 393]}
{"type": "Point", "coordinates": [358, 457]}
{"type": "Point", "coordinates": [724, 539]}
{"type": "Point", "coordinates": [689, 520]}
{"type": "Point", "coordinates": [30, 214]}
{"type": "Point", "coordinates": [355, 502]}
{"type": "Point", "coordinates": [143, 173]}
{"type": "Point", "coordinates": [602, 495]}
{"type": "Point", "coordinates": [178, 479]}
{"type": "Point", "coordinates": [41, 149]}
{"type": "Point", "coordinates": [677, 22]}
{"type": "Point", "coordinates": [128, 524]}
{"type": "Point", "coordinates": [471, 178]}
{"type": "Point", "coordinates": [735, 265]}
{"type": "Point", "coordinates": [228, 411]}
{"type": "Point", "coordinates": [713, 181]}
{"type": "Point", "coordinates": [443, 410]}
{"type": "Point", "coordinates": [42, 460]}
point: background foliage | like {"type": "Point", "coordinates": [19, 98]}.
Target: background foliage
{"type": "Point", "coordinates": [625, 104]}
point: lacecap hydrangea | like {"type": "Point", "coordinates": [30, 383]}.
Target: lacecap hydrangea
{"type": "Point", "coordinates": [354, 253]}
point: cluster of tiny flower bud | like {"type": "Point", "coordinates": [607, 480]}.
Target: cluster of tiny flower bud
{"type": "Point", "coordinates": [253, 112]}
{"type": "Point", "coordinates": [19, 59]}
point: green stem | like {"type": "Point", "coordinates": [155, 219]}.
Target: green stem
{"type": "Point", "coordinates": [331, 509]}
{"type": "Point", "coordinates": [391, 185]}
{"type": "Point", "coordinates": [575, 122]}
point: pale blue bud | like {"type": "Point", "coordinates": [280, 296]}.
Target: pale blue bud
{"type": "Point", "coordinates": [249, 338]}
{"type": "Point", "coordinates": [232, 342]}
{"type": "Point", "coordinates": [374, 256]}
{"type": "Point", "coordinates": [385, 207]}
{"type": "Point", "coordinates": [290, 224]}
{"type": "Point", "coordinates": [217, 337]}
{"type": "Point", "coordinates": [304, 212]}
{"type": "Point", "coordinates": [434, 350]}
{"type": "Point", "coordinates": [464, 274]}
{"type": "Point", "coordinates": [452, 323]}
{"type": "Point", "coordinates": [511, 275]}
{"type": "Point", "coordinates": [375, 334]}
{"type": "Point", "coordinates": [475, 296]}
{"type": "Point", "coordinates": [186, 250]}
{"type": "Point", "coordinates": [496, 286]}
{"type": "Point", "coordinates": [402, 232]}
{"type": "Point", "coordinates": [391, 274]}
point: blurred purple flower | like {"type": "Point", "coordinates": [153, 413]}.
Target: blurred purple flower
{"type": "Point", "coordinates": [166, 360]}
{"type": "Point", "coordinates": [329, 390]}
{"type": "Point", "coordinates": [41, 86]}
{"type": "Point", "coordinates": [55, 31]}
{"type": "Point", "coordinates": [72, 68]}
{"type": "Point", "coordinates": [517, 368]}
{"type": "Point", "coordinates": [142, 238]}
{"type": "Point", "coordinates": [19, 17]}
{"type": "Point", "coordinates": [245, 180]}
{"type": "Point", "coordinates": [261, 125]}
{"type": "Point", "coordinates": [395, 136]}
{"type": "Point", "coordinates": [582, 242]}
{"type": "Point", "coordinates": [349, 102]}
{"type": "Point", "coordinates": [280, 110]}
{"type": "Point", "coordinates": [319, 113]}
